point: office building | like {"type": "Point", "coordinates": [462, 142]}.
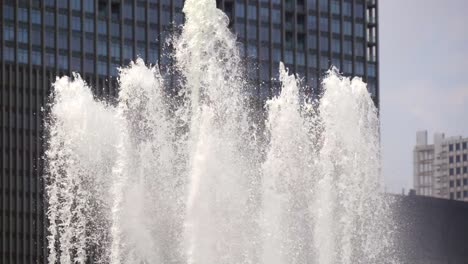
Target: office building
{"type": "Point", "coordinates": [441, 168]}
{"type": "Point", "coordinates": [44, 38]}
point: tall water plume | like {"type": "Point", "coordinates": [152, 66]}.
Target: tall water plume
{"type": "Point", "coordinates": [220, 220]}
{"type": "Point", "coordinates": [153, 179]}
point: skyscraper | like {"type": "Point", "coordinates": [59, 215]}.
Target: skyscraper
{"type": "Point", "coordinates": [43, 39]}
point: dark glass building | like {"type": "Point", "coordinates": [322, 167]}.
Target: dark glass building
{"type": "Point", "coordinates": [44, 38]}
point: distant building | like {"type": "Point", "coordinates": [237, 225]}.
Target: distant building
{"type": "Point", "coordinates": [441, 168]}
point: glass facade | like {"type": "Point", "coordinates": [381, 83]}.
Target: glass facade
{"type": "Point", "coordinates": [43, 39]}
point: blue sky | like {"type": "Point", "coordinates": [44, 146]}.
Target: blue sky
{"type": "Point", "coordinates": [423, 78]}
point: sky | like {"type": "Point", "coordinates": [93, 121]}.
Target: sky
{"type": "Point", "coordinates": [423, 78]}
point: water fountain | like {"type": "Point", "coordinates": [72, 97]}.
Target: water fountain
{"type": "Point", "coordinates": [150, 181]}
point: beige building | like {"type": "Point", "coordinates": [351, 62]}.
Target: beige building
{"type": "Point", "coordinates": [440, 169]}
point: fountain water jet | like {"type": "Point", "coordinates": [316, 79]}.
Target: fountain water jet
{"type": "Point", "coordinates": [145, 181]}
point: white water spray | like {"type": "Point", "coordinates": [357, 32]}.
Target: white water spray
{"type": "Point", "coordinates": [150, 181]}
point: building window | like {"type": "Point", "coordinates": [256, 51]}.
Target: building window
{"type": "Point", "coordinates": [63, 62]}
{"type": "Point", "coordinates": [128, 10]}
{"type": "Point", "coordinates": [115, 29]}
{"type": "Point", "coordinates": [8, 33]}
{"type": "Point", "coordinates": [240, 10]}
{"type": "Point", "coordinates": [324, 63]}
{"type": "Point", "coordinates": [450, 147]}
{"type": "Point", "coordinates": [323, 4]}
{"type": "Point", "coordinates": [300, 59]}
{"type": "Point", "coordinates": [458, 158]}
{"type": "Point", "coordinates": [458, 183]}
{"type": "Point", "coordinates": [264, 34]}
{"type": "Point", "coordinates": [102, 68]}
{"type": "Point", "coordinates": [153, 55]}
{"type": "Point", "coordinates": [457, 146]}
{"type": "Point", "coordinates": [76, 42]}
{"type": "Point", "coordinates": [465, 194]}
{"type": "Point", "coordinates": [324, 44]}
{"type": "Point", "coordinates": [359, 49]}
{"type": "Point", "coordinates": [23, 35]}
{"type": "Point", "coordinates": [312, 22]}
{"type": "Point", "coordinates": [115, 50]}
{"type": "Point", "coordinates": [371, 70]}
{"type": "Point", "coordinates": [63, 40]}
{"type": "Point", "coordinates": [359, 10]}
{"type": "Point", "coordinates": [49, 18]}
{"type": "Point", "coordinates": [348, 28]}
{"type": "Point", "coordinates": [140, 13]}
{"type": "Point", "coordinates": [336, 45]}
{"type": "Point", "coordinates": [76, 23]}
{"type": "Point", "coordinates": [359, 68]}
{"type": "Point", "coordinates": [50, 39]}
{"type": "Point", "coordinates": [458, 170]}
{"type": "Point", "coordinates": [348, 67]}
{"type": "Point", "coordinates": [458, 195]}
{"type": "Point", "coordinates": [102, 27]}
{"type": "Point", "coordinates": [465, 181]}
{"type": "Point", "coordinates": [76, 4]}
{"type": "Point", "coordinates": [89, 66]}
{"type": "Point", "coordinates": [89, 6]}
{"type": "Point", "coordinates": [252, 12]}
{"type": "Point", "coordinates": [49, 59]}
{"type": "Point", "coordinates": [465, 157]}
{"type": "Point", "coordinates": [288, 57]}
{"type": "Point", "coordinates": [264, 14]}
{"type": "Point", "coordinates": [62, 4]}
{"type": "Point", "coordinates": [8, 12]}
{"type": "Point", "coordinates": [89, 25]}
{"type": "Point", "coordinates": [127, 52]}
{"type": "Point", "coordinates": [252, 51]}
{"type": "Point", "coordinates": [289, 40]}
{"type": "Point", "coordinates": [252, 32]}
{"type": "Point", "coordinates": [36, 37]}
{"type": "Point", "coordinates": [36, 17]}
{"type": "Point", "coordinates": [312, 41]}
{"type": "Point", "coordinates": [451, 172]}
{"type": "Point", "coordinates": [335, 7]}
{"type": "Point", "coordinates": [324, 24]}
{"type": "Point", "coordinates": [451, 159]}
{"type": "Point", "coordinates": [23, 14]}
{"type": "Point", "coordinates": [140, 33]}
{"type": "Point", "coordinates": [348, 47]}
{"type": "Point", "coordinates": [336, 26]}
{"type": "Point", "coordinates": [465, 169]}
{"type": "Point", "coordinates": [8, 54]}
{"type": "Point", "coordinates": [102, 47]}
{"type": "Point", "coordinates": [89, 45]}
{"type": "Point", "coordinates": [464, 145]}
{"type": "Point", "coordinates": [451, 196]}
{"type": "Point", "coordinates": [451, 184]}
{"type": "Point", "coordinates": [347, 8]}
{"type": "Point", "coordinates": [75, 64]}
{"type": "Point", "coordinates": [359, 29]}
{"type": "Point", "coordinates": [276, 16]}
{"type": "Point", "coordinates": [62, 20]}
{"type": "Point", "coordinates": [36, 58]}
{"type": "Point", "coordinates": [276, 35]}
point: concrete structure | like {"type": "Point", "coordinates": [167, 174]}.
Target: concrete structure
{"type": "Point", "coordinates": [431, 230]}
{"type": "Point", "coordinates": [43, 39]}
{"type": "Point", "coordinates": [441, 168]}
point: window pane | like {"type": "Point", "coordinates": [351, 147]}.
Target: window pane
{"type": "Point", "coordinates": [8, 12]}
{"type": "Point", "coordinates": [36, 17]}
{"type": "Point", "coordinates": [23, 14]}
{"type": "Point", "coordinates": [76, 23]}
{"type": "Point", "coordinates": [102, 27]}
{"type": "Point", "coordinates": [8, 33]}
{"type": "Point", "coordinates": [22, 56]}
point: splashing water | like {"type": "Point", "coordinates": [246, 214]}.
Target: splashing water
{"type": "Point", "coordinates": [152, 181]}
